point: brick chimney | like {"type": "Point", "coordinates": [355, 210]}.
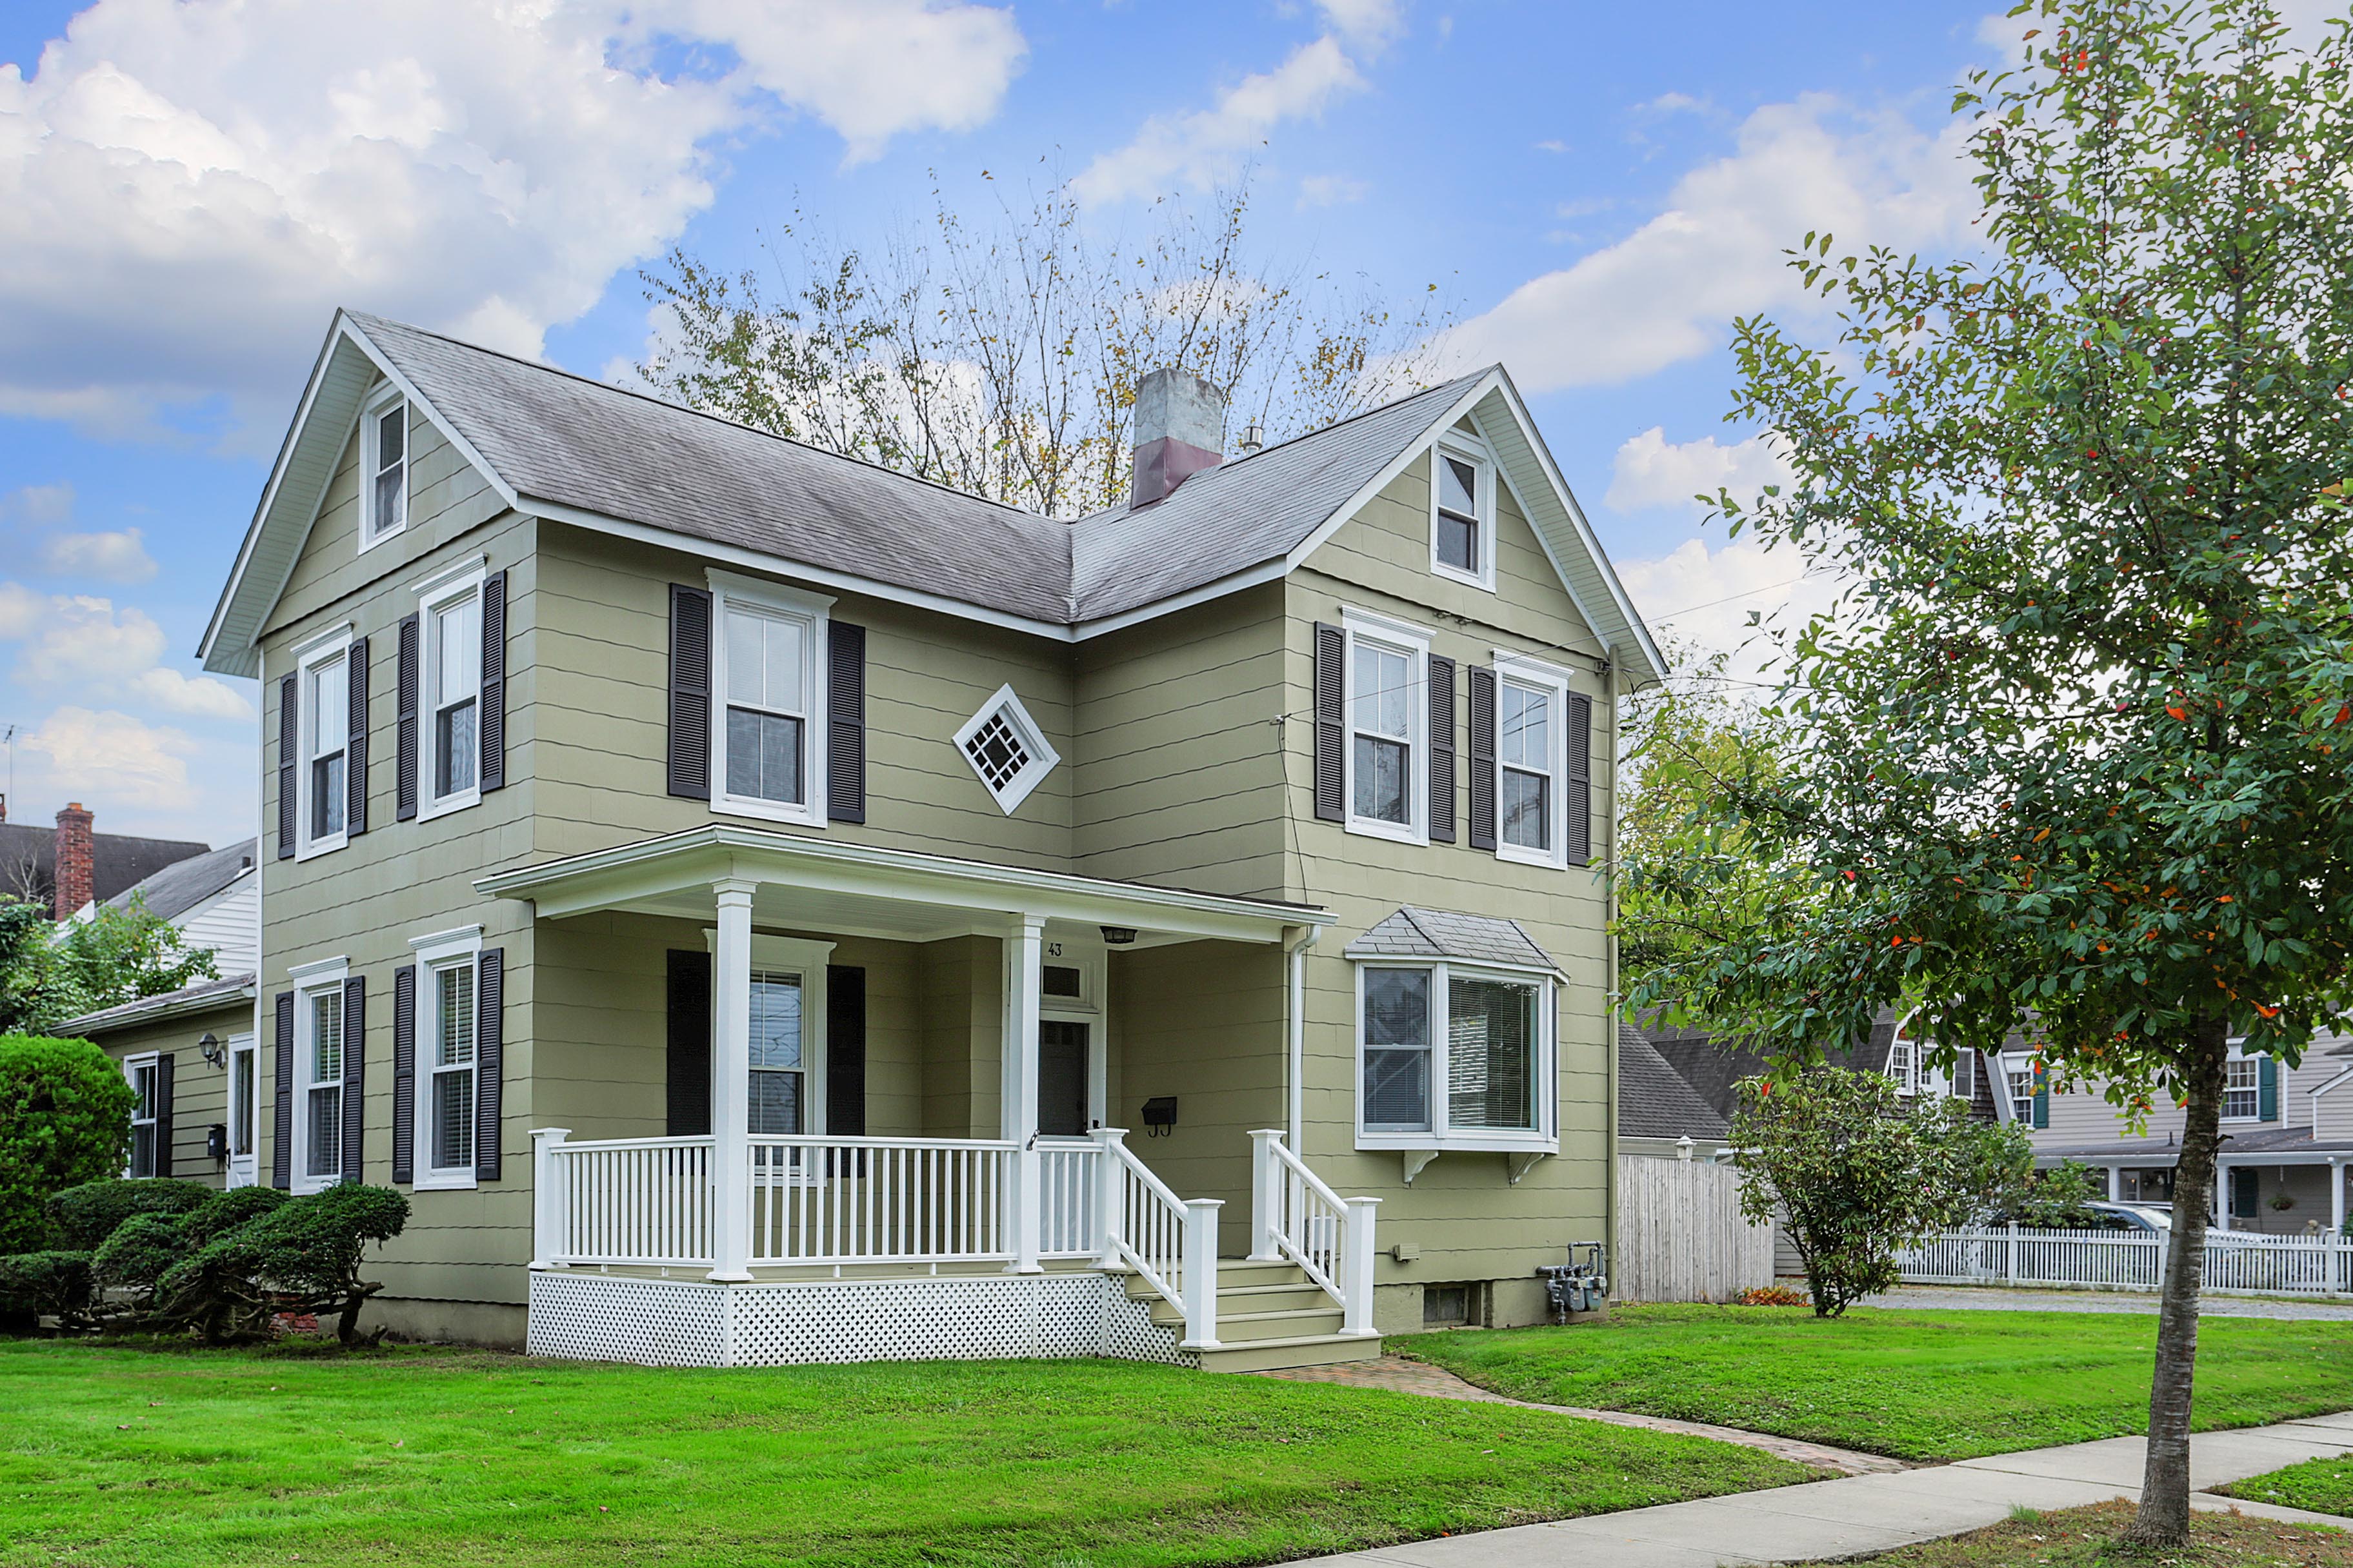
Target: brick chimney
{"type": "Point", "coordinates": [74, 872]}
{"type": "Point", "coordinates": [1180, 429]}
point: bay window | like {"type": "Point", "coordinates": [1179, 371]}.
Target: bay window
{"type": "Point", "coordinates": [768, 696]}
{"type": "Point", "coordinates": [1452, 1055]}
{"type": "Point", "coordinates": [1386, 671]}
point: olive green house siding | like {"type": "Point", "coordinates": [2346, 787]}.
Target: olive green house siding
{"type": "Point", "coordinates": [1179, 702]}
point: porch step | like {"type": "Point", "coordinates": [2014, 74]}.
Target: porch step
{"type": "Point", "coordinates": [1278, 1354]}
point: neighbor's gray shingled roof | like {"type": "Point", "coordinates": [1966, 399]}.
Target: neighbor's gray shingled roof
{"type": "Point", "coordinates": [188, 998]}
{"type": "Point", "coordinates": [182, 885]}
{"type": "Point", "coordinates": [1654, 1100]}
{"type": "Point", "coordinates": [1442, 933]}
{"type": "Point", "coordinates": [554, 436]}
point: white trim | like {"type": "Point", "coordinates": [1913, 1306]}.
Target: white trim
{"type": "Point", "coordinates": [1451, 442]}
{"type": "Point", "coordinates": [807, 958]}
{"type": "Point", "coordinates": [337, 968]}
{"type": "Point", "coordinates": [455, 949]}
{"type": "Point", "coordinates": [1413, 644]}
{"type": "Point", "coordinates": [1513, 668]}
{"type": "Point", "coordinates": [303, 648]}
{"type": "Point", "coordinates": [449, 589]}
{"type": "Point", "coordinates": [441, 576]}
{"type": "Point", "coordinates": [318, 652]}
{"type": "Point", "coordinates": [130, 1065]}
{"type": "Point", "coordinates": [381, 400]}
{"type": "Point", "coordinates": [325, 977]}
{"type": "Point", "coordinates": [1543, 1085]}
{"type": "Point", "coordinates": [243, 1170]}
{"type": "Point", "coordinates": [809, 612]}
{"type": "Point", "coordinates": [1042, 756]}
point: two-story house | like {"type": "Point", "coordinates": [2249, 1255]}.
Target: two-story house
{"type": "Point", "coordinates": [762, 907]}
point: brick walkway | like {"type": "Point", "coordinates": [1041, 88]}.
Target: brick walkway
{"type": "Point", "coordinates": [1399, 1376]}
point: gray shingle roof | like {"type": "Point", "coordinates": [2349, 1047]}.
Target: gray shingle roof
{"type": "Point", "coordinates": [1413, 932]}
{"type": "Point", "coordinates": [27, 856]}
{"type": "Point", "coordinates": [194, 998]}
{"type": "Point", "coordinates": [1656, 1102]}
{"type": "Point", "coordinates": [182, 885]}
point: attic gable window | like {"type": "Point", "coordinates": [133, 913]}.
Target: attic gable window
{"type": "Point", "coordinates": [1006, 749]}
{"type": "Point", "coordinates": [384, 467]}
{"type": "Point", "coordinates": [1462, 510]}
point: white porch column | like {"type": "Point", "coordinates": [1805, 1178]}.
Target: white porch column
{"type": "Point", "coordinates": [1025, 955]}
{"type": "Point", "coordinates": [1268, 1179]}
{"type": "Point", "coordinates": [731, 1085]}
{"type": "Point", "coordinates": [548, 1196]}
{"type": "Point", "coordinates": [2221, 1194]}
{"type": "Point", "coordinates": [2336, 1197]}
{"type": "Point", "coordinates": [2115, 1185]}
{"type": "Point", "coordinates": [1198, 1285]}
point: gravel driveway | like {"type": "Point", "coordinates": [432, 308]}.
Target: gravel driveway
{"type": "Point", "coordinates": [1986, 1300]}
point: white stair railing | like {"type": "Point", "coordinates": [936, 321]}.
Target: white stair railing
{"type": "Point", "coordinates": [1170, 1242]}
{"type": "Point", "coordinates": [1295, 1216]}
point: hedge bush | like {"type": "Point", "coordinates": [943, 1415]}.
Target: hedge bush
{"type": "Point", "coordinates": [65, 1118]}
{"type": "Point", "coordinates": [83, 1218]}
{"type": "Point", "coordinates": [33, 1283]}
{"type": "Point", "coordinates": [225, 1211]}
{"type": "Point", "coordinates": [140, 1251]}
{"type": "Point", "coordinates": [300, 1256]}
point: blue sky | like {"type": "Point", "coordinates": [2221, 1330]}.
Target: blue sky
{"type": "Point", "coordinates": [186, 191]}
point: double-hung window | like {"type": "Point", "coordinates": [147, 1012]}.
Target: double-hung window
{"type": "Point", "coordinates": [2241, 1088]}
{"type": "Point", "coordinates": [319, 1047]}
{"type": "Point", "coordinates": [2018, 1074]}
{"type": "Point", "coordinates": [384, 467]}
{"type": "Point", "coordinates": [767, 686]}
{"type": "Point", "coordinates": [1903, 1064]}
{"type": "Point", "coordinates": [146, 1084]}
{"type": "Point", "coordinates": [1453, 1054]}
{"type": "Point", "coordinates": [1531, 740]}
{"type": "Point", "coordinates": [787, 1092]}
{"type": "Point", "coordinates": [448, 1078]}
{"type": "Point", "coordinates": [450, 628]}
{"type": "Point", "coordinates": [323, 687]}
{"type": "Point", "coordinates": [1462, 510]}
{"type": "Point", "coordinates": [1387, 711]}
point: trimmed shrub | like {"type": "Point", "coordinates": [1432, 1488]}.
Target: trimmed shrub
{"type": "Point", "coordinates": [83, 1218]}
{"type": "Point", "coordinates": [140, 1252]}
{"type": "Point", "coordinates": [33, 1283]}
{"type": "Point", "coordinates": [65, 1118]}
{"type": "Point", "coordinates": [225, 1211]}
{"type": "Point", "coordinates": [302, 1255]}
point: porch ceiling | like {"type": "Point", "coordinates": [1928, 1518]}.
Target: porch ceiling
{"type": "Point", "coordinates": [829, 885]}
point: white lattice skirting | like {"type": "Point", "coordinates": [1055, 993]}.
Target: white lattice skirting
{"type": "Point", "coordinates": [692, 1322]}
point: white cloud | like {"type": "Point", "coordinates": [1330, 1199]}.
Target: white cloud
{"type": "Point", "coordinates": [1330, 190]}
{"type": "Point", "coordinates": [117, 556]}
{"type": "Point", "coordinates": [186, 191]}
{"type": "Point", "coordinates": [1205, 145]}
{"type": "Point", "coordinates": [40, 506]}
{"type": "Point", "coordinates": [81, 644]}
{"type": "Point", "coordinates": [1650, 470]}
{"type": "Point", "coordinates": [1676, 103]}
{"type": "Point", "coordinates": [1705, 598]}
{"type": "Point", "coordinates": [20, 611]}
{"type": "Point", "coordinates": [106, 758]}
{"type": "Point", "coordinates": [1366, 23]}
{"type": "Point", "coordinates": [1668, 292]}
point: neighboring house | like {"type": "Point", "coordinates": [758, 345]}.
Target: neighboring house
{"type": "Point", "coordinates": [1660, 1114]}
{"type": "Point", "coordinates": [189, 1053]}
{"type": "Point", "coordinates": [2287, 1138]}
{"type": "Point", "coordinates": [95, 865]}
{"type": "Point", "coordinates": [733, 889]}
{"type": "Point", "coordinates": [1714, 1069]}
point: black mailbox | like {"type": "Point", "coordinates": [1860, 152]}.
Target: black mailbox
{"type": "Point", "coordinates": [217, 1143]}
{"type": "Point", "coordinates": [1159, 1115]}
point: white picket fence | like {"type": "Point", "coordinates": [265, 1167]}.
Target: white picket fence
{"type": "Point", "coordinates": [2129, 1260]}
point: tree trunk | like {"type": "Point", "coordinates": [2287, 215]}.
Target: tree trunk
{"type": "Point", "coordinates": [2164, 1516]}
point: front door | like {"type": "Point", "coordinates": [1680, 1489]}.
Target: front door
{"type": "Point", "coordinates": [244, 1104]}
{"type": "Point", "coordinates": [1062, 1078]}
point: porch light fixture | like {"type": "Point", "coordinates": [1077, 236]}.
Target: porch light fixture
{"type": "Point", "coordinates": [1118, 936]}
{"type": "Point", "coordinates": [210, 1044]}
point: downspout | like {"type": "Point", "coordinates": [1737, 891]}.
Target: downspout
{"type": "Point", "coordinates": [1295, 1085]}
{"type": "Point", "coordinates": [1609, 970]}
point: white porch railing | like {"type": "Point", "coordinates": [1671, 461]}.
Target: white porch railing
{"type": "Point", "coordinates": [2129, 1260]}
{"type": "Point", "coordinates": [625, 1200]}
{"type": "Point", "coordinates": [1170, 1242]}
{"type": "Point", "coordinates": [1295, 1216]}
{"type": "Point", "coordinates": [879, 1200]}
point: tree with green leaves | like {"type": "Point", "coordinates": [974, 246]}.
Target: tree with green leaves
{"type": "Point", "coordinates": [2077, 745]}
{"type": "Point", "coordinates": [51, 972]}
{"type": "Point", "coordinates": [1000, 356]}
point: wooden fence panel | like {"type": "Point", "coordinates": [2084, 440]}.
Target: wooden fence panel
{"type": "Point", "coordinates": [1681, 1236]}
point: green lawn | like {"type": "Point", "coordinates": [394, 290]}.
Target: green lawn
{"type": "Point", "coordinates": [1917, 1384]}
{"type": "Point", "coordinates": [2088, 1538]}
{"type": "Point", "coordinates": [166, 1458]}
{"type": "Point", "coordinates": [2324, 1486]}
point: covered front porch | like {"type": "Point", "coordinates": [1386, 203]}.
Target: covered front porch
{"type": "Point", "coordinates": [961, 1188]}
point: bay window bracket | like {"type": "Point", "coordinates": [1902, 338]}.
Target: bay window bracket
{"type": "Point", "coordinates": [1414, 1160]}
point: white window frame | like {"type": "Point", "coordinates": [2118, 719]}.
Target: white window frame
{"type": "Point", "coordinates": [1394, 636]}
{"type": "Point", "coordinates": [309, 659]}
{"type": "Point", "coordinates": [813, 612]}
{"type": "Point", "coordinates": [381, 402]}
{"type": "Point", "coordinates": [1544, 1137]}
{"type": "Point", "coordinates": [2254, 1090]}
{"type": "Point", "coordinates": [244, 1116]}
{"type": "Point", "coordinates": [1475, 451]}
{"type": "Point", "coordinates": [1043, 758]}
{"type": "Point", "coordinates": [1904, 1065]}
{"type": "Point", "coordinates": [2021, 1106]}
{"type": "Point", "coordinates": [459, 949]}
{"type": "Point", "coordinates": [312, 981]}
{"type": "Point", "coordinates": [807, 958]}
{"type": "Point", "coordinates": [435, 596]}
{"type": "Point", "coordinates": [131, 1069]}
{"type": "Point", "coordinates": [1518, 670]}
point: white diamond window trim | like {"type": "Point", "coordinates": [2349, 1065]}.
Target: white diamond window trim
{"type": "Point", "coordinates": [1006, 749]}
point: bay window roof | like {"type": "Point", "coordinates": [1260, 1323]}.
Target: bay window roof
{"type": "Point", "coordinates": [1412, 933]}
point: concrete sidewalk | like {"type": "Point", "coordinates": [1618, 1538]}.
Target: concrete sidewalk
{"type": "Point", "coordinates": [1858, 1515]}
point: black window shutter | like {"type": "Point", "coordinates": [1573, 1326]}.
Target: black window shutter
{"type": "Point", "coordinates": [404, 1073]}
{"type": "Point", "coordinates": [1331, 724]}
{"type": "Point", "coordinates": [404, 723]}
{"type": "Point", "coordinates": [845, 722]}
{"type": "Point", "coordinates": [289, 743]}
{"type": "Point", "coordinates": [491, 732]}
{"type": "Point", "coordinates": [1577, 798]}
{"type": "Point", "coordinates": [356, 743]}
{"type": "Point", "coordinates": [281, 1107]}
{"type": "Point", "coordinates": [845, 1051]}
{"type": "Point", "coordinates": [1483, 757]}
{"type": "Point", "coordinates": [689, 1042]}
{"type": "Point", "coordinates": [164, 1114]}
{"type": "Point", "coordinates": [490, 1061]}
{"type": "Point", "coordinates": [690, 692]}
{"type": "Point", "coordinates": [1441, 750]}
{"type": "Point", "coordinates": [354, 1072]}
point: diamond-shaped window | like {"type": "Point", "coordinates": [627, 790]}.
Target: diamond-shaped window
{"type": "Point", "coordinates": [1007, 751]}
